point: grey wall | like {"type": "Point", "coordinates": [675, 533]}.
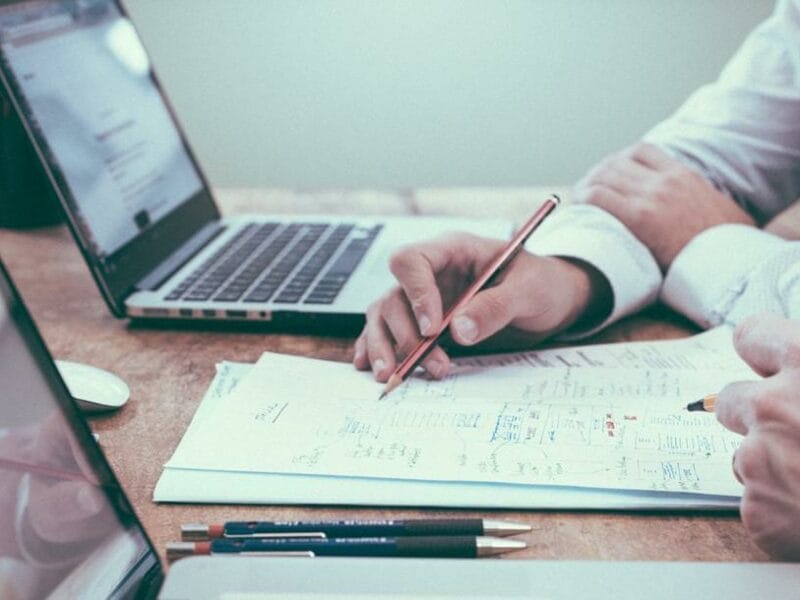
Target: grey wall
{"type": "Point", "coordinates": [428, 92]}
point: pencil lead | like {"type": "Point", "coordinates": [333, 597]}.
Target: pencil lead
{"type": "Point", "coordinates": [695, 406]}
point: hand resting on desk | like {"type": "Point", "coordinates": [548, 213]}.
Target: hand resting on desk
{"type": "Point", "coordinates": [539, 295]}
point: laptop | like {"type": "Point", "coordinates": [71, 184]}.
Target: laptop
{"type": "Point", "coordinates": [139, 206]}
{"type": "Point", "coordinates": [67, 529]}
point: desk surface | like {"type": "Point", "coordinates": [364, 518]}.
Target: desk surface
{"type": "Point", "coordinates": [168, 372]}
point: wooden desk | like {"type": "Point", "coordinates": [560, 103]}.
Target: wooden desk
{"type": "Point", "coordinates": [168, 372]}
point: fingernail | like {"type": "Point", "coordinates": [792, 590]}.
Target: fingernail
{"type": "Point", "coordinates": [424, 325]}
{"type": "Point", "coordinates": [378, 366]}
{"type": "Point", "coordinates": [466, 328]}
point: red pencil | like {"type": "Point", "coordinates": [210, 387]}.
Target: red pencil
{"type": "Point", "coordinates": [500, 262]}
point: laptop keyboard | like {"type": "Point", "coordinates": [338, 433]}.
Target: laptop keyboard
{"type": "Point", "coordinates": [282, 263]}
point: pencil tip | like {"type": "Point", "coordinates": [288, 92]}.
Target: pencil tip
{"type": "Point", "coordinates": [695, 406]}
{"type": "Point", "coordinates": [393, 382]}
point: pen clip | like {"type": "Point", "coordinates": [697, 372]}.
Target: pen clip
{"type": "Point", "coordinates": [295, 554]}
{"type": "Point", "coordinates": [293, 534]}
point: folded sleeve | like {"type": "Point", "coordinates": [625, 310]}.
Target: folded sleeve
{"type": "Point", "coordinates": [590, 234]}
{"type": "Point", "coordinates": [732, 271]}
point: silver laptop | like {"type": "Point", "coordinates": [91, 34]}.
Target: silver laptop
{"type": "Point", "coordinates": [141, 210]}
{"type": "Point", "coordinates": [68, 531]}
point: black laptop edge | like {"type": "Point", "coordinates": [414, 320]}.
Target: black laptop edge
{"type": "Point", "coordinates": [146, 577]}
{"type": "Point", "coordinates": [117, 275]}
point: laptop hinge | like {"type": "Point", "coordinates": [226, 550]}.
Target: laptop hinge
{"type": "Point", "coordinates": [175, 261]}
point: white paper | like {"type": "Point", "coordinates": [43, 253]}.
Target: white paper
{"type": "Point", "coordinates": [569, 417]}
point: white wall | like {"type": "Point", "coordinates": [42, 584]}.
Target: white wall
{"type": "Point", "coordinates": [428, 92]}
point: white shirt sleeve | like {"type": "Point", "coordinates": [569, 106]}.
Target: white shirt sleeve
{"type": "Point", "coordinates": [729, 272]}
{"type": "Point", "coordinates": [590, 234]}
{"type": "Point", "coordinates": [743, 131]}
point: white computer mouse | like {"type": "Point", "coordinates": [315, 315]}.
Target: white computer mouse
{"type": "Point", "coordinates": [95, 390]}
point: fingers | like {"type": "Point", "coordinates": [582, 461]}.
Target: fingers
{"type": "Point", "coordinates": [401, 325]}
{"type": "Point", "coordinates": [537, 295]}
{"type": "Point", "coordinates": [378, 343]}
{"type": "Point", "coordinates": [397, 322]}
{"type": "Point", "coordinates": [652, 157]}
{"type": "Point", "coordinates": [391, 333]}
{"type": "Point", "coordinates": [415, 269]}
{"type": "Point", "coordinates": [360, 359]}
{"type": "Point", "coordinates": [604, 197]}
{"type": "Point", "coordinates": [743, 405]}
{"type": "Point", "coordinates": [735, 406]}
{"type": "Point", "coordinates": [768, 342]}
{"type": "Point", "coordinates": [735, 468]}
{"type": "Point", "coordinates": [486, 314]}
{"type": "Point", "coordinates": [620, 174]}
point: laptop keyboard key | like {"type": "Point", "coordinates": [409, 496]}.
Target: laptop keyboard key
{"type": "Point", "coordinates": [232, 273]}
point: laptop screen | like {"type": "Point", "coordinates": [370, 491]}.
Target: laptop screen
{"type": "Point", "coordinates": [85, 88]}
{"type": "Point", "coordinates": [66, 528]}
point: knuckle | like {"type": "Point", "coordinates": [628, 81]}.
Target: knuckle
{"type": "Point", "coordinates": [791, 352]}
{"type": "Point", "coordinates": [417, 295]}
{"type": "Point", "coordinates": [745, 329]}
{"type": "Point", "coordinates": [676, 174]}
{"type": "Point", "coordinates": [594, 194]}
{"type": "Point", "coordinates": [750, 513]}
{"type": "Point", "coordinates": [768, 406]}
{"type": "Point", "coordinates": [638, 150]}
{"type": "Point", "coordinates": [405, 343]}
{"type": "Point", "coordinates": [380, 307]}
{"type": "Point", "coordinates": [658, 191]}
{"type": "Point", "coordinates": [374, 310]}
{"type": "Point", "coordinates": [765, 525]}
{"type": "Point", "coordinates": [751, 456]}
{"type": "Point", "coordinates": [402, 260]}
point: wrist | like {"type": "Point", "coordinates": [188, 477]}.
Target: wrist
{"type": "Point", "coordinates": [588, 294]}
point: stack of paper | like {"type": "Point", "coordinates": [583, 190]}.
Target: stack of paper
{"type": "Point", "coordinates": [584, 427]}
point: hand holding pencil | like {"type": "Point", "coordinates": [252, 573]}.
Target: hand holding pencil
{"type": "Point", "coordinates": [537, 295]}
{"type": "Point", "coordinates": [767, 414]}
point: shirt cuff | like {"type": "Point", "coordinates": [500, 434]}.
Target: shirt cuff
{"type": "Point", "coordinates": [710, 273]}
{"type": "Point", "coordinates": [590, 234]}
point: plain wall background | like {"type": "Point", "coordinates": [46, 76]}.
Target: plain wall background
{"type": "Point", "coordinates": [428, 92]}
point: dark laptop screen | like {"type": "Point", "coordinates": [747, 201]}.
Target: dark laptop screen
{"type": "Point", "coordinates": [84, 86]}
{"type": "Point", "coordinates": [66, 529]}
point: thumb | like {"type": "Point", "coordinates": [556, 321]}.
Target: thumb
{"type": "Point", "coordinates": [487, 313]}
